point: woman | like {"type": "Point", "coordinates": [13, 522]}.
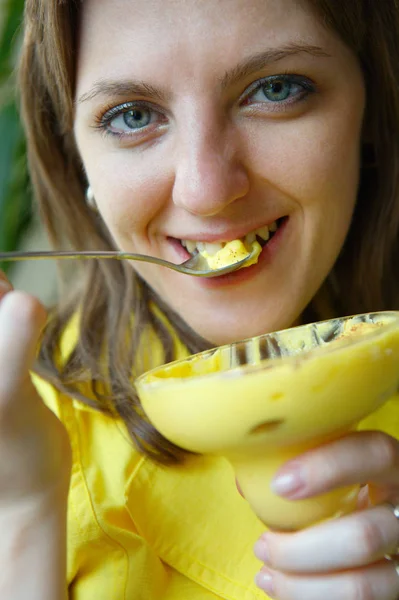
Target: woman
{"type": "Point", "coordinates": [188, 122]}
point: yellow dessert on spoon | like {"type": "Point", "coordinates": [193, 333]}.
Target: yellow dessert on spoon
{"type": "Point", "coordinates": [263, 401]}
{"type": "Point", "coordinates": [231, 253]}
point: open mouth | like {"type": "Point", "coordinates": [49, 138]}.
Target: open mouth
{"type": "Point", "coordinates": [262, 235]}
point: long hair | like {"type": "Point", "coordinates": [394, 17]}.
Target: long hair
{"type": "Point", "coordinates": [113, 303]}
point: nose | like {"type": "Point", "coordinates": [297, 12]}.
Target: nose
{"type": "Point", "coordinates": [210, 174]}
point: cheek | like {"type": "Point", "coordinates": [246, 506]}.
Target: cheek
{"type": "Point", "coordinates": [314, 160]}
{"type": "Point", "coordinates": [129, 190]}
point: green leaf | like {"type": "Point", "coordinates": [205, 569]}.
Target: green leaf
{"type": "Point", "coordinates": [15, 197]}
{"type": "Point", "coordinates": [15, 201]}
{"type": "Point", "coordinates": [12, 13]}
{"type": "Point", "coordinates": [10, 132]}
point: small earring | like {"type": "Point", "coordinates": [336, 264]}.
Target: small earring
{"type": "Point", "coordinates": [90, 200]}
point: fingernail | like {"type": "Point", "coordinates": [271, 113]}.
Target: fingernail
{"type": "Point", "coordinates": [261, 550]}
{"type": "Point", "coordinates": [239, 490]}
{"type": "Point", "coordinates": [264, 581]}
{"type": "Point", "coordinates": [289, 482]}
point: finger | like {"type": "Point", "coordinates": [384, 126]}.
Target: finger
{"type": "Point", "coordinates": [378, 582]}
{"type": "Point", "coordinates": [5, 285]}
{"type": "Point", "coordinates": [22, 318]}
{"type": "Point", "coordinates": [370, 456]}
{"type": "Point", "coordinates": [352, 541]}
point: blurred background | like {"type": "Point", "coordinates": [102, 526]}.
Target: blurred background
{"type": "Point", "coordinates": [19, 223]}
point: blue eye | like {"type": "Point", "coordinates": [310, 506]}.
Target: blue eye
{"type": "Point", "coordinates": [129, 119]}
{"type": "Point", "coordinates": [136, 118]}
{"type": "Point", "coordinates": [279, 89]}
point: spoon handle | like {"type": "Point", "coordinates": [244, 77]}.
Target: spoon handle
{"type": "Point", "coordinates": [47, 254]}
{"type": "Point", "coordinates": [86, 254]}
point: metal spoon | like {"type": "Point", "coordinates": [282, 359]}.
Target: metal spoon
{"type": "Point", "coordinates": [196, 265]}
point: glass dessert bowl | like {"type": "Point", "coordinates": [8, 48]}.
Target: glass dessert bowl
{"type": "Point", "coordinates": [265, 400]}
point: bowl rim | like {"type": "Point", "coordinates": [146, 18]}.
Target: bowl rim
{"type": "Point", "coordinates": [294, 360]}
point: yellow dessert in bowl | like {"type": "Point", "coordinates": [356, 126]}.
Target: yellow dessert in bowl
{"type": "Point", "coordinates": [263, 401]}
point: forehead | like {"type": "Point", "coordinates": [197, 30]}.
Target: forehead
{"type": "Point", "coordinates": [132, 34]}
{"type": "Point", "coordinates": [215, 12]}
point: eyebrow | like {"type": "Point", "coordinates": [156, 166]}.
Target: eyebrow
{"type": "Point", "coordinates": [259, 61]}
{"type": "Point", "coordinates": [251, 65]}
{"type": "Point", "coordinates": [123, 88]}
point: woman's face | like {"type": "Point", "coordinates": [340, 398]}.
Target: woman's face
{"type": "Point", "coordinates": [207, 121]}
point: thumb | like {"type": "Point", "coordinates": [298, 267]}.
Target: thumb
{"type": "Point", "coordinates": [22, 319]}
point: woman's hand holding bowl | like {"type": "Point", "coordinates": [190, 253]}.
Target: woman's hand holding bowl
{"type": "Point", "coordinates": [348, 558]}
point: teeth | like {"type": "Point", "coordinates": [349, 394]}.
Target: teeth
{"type": "Point", "coordinates": [273, 227]}
{"type": "Point", "coordinates": [210, 248]}
{"type": "Point", "coordinates": [190, 245]}
{"type": "Point", "coordinates": [250, 238]}
{"type": "Point", "coordinates": [213, 247]}
{"type": "Point", "coordinates": [263, 233]}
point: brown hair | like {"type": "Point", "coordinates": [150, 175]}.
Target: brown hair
{"type": "Point", "coordinates": [108, 294]}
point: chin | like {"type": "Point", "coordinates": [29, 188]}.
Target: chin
{"type": "Point", "coordinates": [232, 314]}
{"type": "Point", "coordinates": [227, 327]}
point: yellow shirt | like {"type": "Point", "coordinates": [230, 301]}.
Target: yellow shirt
{"type": "Point", "coordinates": [140, 531]}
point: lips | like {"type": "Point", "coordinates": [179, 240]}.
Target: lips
{"type": "Point", "coordinates": [242, 275]}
